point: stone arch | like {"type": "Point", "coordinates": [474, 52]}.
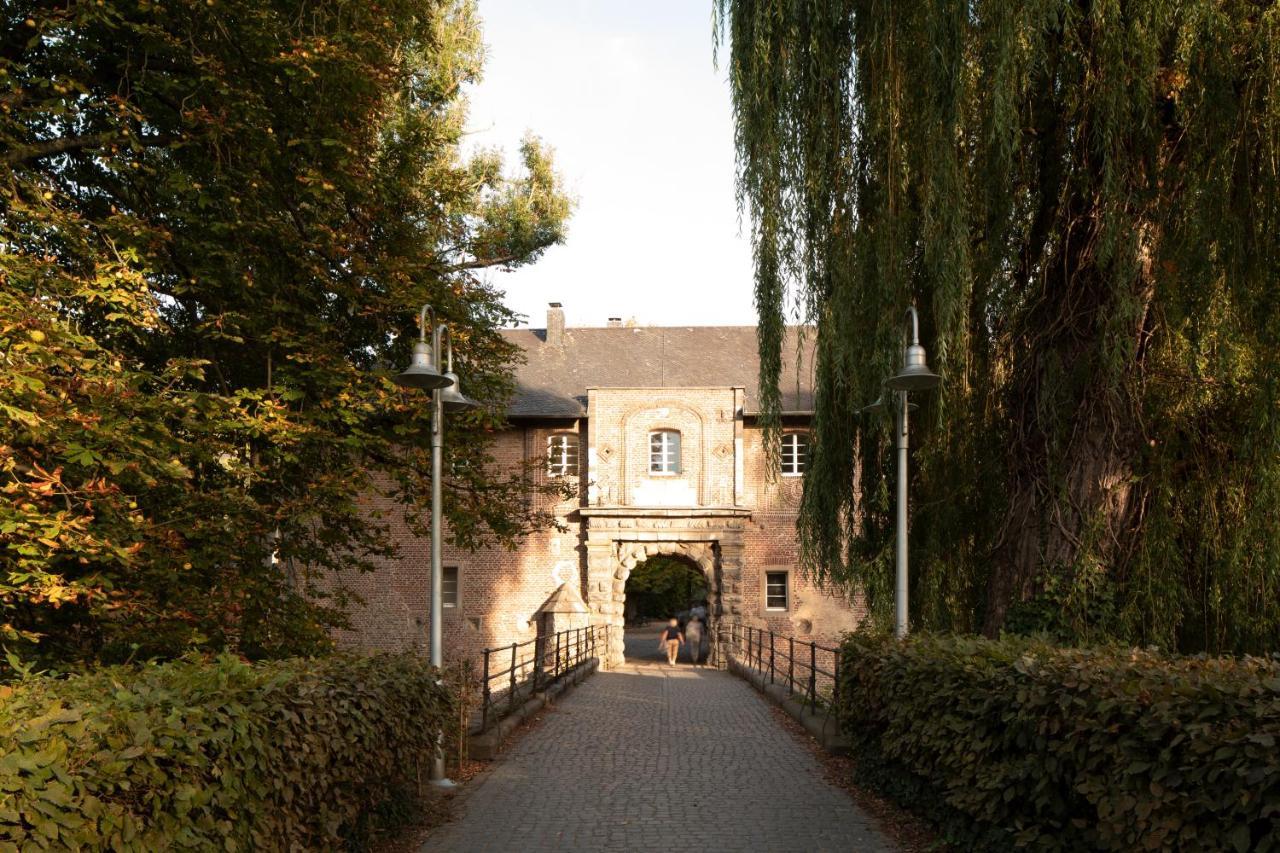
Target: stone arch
{"type": "Point", "coordinates": [620, 538]}
{"type": "Point", "coordinates": [704, 554]}
{"type": "Point", "coordinates": [632, 554]}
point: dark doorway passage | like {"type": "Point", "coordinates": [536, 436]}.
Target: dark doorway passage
{"type": "Point", "coordinates": [661, 588]}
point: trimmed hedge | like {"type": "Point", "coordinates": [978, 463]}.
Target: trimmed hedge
{"type": "Point", "coordinates": [1018, 744]}
{"type": "Point", "coordinates": [213, 754]}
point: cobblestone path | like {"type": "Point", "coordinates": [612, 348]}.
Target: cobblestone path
{"type": "Point", "coordinates": [650, 757]}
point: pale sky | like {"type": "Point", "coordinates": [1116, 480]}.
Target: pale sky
{"type": "Point", "coordinates": [640, 119]}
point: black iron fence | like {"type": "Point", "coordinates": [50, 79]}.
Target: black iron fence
{"type": "Point", "coordinates": [511, 674]}
{"type": "Point", "coordinates": [807, 668]}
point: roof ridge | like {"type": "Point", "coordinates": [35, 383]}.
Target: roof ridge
{"type": "Point", "coordinates": [635, 328]}
{"type": "Point", "coordinates": [552, 380]}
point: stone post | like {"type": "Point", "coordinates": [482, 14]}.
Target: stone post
{"type": "Point", "coordinates": [602, 567]}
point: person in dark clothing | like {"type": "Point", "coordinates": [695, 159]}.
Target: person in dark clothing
{"type": "Point", "coordinates": [671, 640]}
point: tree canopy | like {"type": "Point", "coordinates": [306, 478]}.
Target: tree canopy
{"type": "Point", "coordinates": [1083, 199]}
{"type": "Point", "coordinates": [662, 586]}
{"type": "Point", "coordinates": [217, 221]}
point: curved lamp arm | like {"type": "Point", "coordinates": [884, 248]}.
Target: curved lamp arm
{"type": "Point", "coordinates": [446, 337]}
{"type": "Point", "coordinates": [422, 321]}
{"type": "Point", "coordinates": [915, 325]}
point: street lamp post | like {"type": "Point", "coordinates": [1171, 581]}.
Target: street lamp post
{"type": "Point", "coordinates": [445, 397]}
{"type": "Point", "coordinates": [915, 375]}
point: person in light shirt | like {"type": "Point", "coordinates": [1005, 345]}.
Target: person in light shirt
{"type": "Point", "coordinates": [693, 634]}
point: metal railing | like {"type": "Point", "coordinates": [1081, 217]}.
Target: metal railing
{"type": "Point", "coordinates": [806, 667]}
{"type": "Point", "coordinates": [511, 674]}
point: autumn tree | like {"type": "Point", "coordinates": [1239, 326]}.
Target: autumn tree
{"type": "Point", "coordinates": [217, 221]}
{"type": "Point", "coordinates": [1083, 199]}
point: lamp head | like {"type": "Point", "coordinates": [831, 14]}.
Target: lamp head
{"type": "Point", "coordinates": [915, 374]}
{"type": "Point", "coordinates": [421, 372]}
{"type": "Point", "coordinates": [453, 399]}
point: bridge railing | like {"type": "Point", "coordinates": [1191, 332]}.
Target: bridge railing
{"type": "Point", "coordinates": [807, 667]}
{"type": "Point", "coordinates": [511, 674]}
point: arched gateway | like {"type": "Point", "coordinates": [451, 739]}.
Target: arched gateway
{"type": "Point", "coordinates": [620, 538]}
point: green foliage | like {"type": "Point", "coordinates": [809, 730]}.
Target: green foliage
{"type": "Point", "coordinates": [1083, 200]}
{"type": "Point", "coordinates": [661, 587]}
{"type": "Point", "coordinates": [223, 755]}
{"type": "Point", "coordinates": [1021, 744]}
{"type": "Point", "coordinates": [217, 221]}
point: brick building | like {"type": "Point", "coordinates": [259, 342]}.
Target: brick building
{"type": "Point", "coordinates": [656, 429]}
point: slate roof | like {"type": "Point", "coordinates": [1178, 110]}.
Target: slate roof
{"type": "Point", "coordinates": [553, 381]}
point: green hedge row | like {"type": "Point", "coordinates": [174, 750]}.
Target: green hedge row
{"type": "Point", "coordinates": [1017, 744]}
{"type": "Point", "coordinates": [213, 754]}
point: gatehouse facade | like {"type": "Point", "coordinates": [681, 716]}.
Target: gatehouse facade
{"type": "Point", "coordinates": [654, 429]}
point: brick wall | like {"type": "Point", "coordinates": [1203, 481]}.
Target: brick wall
{"type": "Point", "coordinates": [771, 545]}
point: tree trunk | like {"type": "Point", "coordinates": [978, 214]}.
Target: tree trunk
{"type": "Point", "coordinates": [1077, 434]}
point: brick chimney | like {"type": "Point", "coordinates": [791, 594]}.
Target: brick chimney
{"type": "Point", "coordinates": [615, 322]}
{"type": "Point", "coordinates": [555, 325]}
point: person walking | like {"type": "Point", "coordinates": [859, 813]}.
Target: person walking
{"type": "Point", "coordinates": [671, 640]}
{"type": "Point", "coordinates": [693, 633]}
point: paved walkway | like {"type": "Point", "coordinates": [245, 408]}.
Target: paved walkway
{"type": "Point", "coordinates": [651, 757]}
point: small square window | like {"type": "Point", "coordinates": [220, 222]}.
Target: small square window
{"type": "Point", "coordinates": [449, 587]}
{"type": "Point", "coordinates": [775, 591]}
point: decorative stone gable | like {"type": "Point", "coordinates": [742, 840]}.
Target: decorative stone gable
{"type": "Point", "coordinates": [623, 419]}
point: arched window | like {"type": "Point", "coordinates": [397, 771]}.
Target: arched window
{"type": "Point", "coordinates": [562, 454]}
{"type": "Point", "coordinates": [795, 453]}
{"type": "Point", "coordinates": [664, 452]}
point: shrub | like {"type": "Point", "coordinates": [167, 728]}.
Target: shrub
{"type": "Point", "coordinates": [1018, 744]}
{"type": "Point", "coordinates": [213, 754]}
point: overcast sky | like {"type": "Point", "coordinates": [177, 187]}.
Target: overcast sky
{"type": "Point", "coordinates": [640, 120]}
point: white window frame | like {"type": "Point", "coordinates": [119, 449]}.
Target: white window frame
{"type": "Point", "coordinates": [457, 587]}
{"type": "Point", "coordinates": [664, 452]}
{"type": "Point", "coordinates": [786, 590]}
{"type": "Point", "coordinates": [793, 461]}
{"type": "Point", "coordinates": [559, 466]}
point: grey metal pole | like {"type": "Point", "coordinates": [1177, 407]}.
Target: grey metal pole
{"type": "Point", "coordinates": [437, 572]}
{"type": "Point", "coordinates": [437, 776]}
{"type": "Point", "coordinates": [900, 598]}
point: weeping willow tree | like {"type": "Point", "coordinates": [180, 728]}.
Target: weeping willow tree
{"type": "Point", "coordinates": [1083, 199]}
